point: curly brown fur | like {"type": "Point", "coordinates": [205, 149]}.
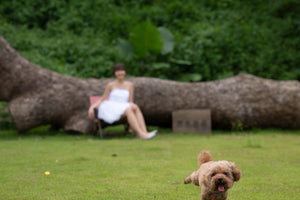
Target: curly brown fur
{"type": "Point", "coordinates": [215, 178]}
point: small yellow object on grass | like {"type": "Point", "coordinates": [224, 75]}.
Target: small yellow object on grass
{"type": "Point", "coordinates": [47, 173]}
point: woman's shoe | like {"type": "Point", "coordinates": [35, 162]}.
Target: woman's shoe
{"type": "Point", "coordinates": [151, 135]}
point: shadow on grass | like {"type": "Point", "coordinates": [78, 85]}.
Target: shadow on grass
{"type": "Point", "coordinates": [41, 131]}
{"type": "Point", "coordinates": [117, 132]}
{"type": "Point", "coordinates": [113, 132]}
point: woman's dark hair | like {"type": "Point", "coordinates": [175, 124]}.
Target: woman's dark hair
{"type": "Point", "coordinates": [119, 66]}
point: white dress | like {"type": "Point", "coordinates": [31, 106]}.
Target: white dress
{"type": "Point", "coordinates": [112, 109]}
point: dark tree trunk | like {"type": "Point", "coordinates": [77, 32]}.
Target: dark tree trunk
{"type": "Point", "coordinates": [37, 96]}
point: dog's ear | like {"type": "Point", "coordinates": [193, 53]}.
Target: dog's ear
{"type": "Point", "coordinates": [236, 172]}
{"type": "Point", "coordinates": [204, 157]}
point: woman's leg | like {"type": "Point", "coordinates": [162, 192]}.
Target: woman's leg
{"type": "Point", "coordinates": [140, 119]}
{"type": "Point", "coordinates": [133, 121]}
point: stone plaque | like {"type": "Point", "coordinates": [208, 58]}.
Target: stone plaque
{"type": "Point", "coordinates": [194, 121]}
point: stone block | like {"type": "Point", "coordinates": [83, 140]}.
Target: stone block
{"type": "Point", "coordinates": [193, 120]}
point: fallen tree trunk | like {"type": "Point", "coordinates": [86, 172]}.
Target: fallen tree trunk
{"type": "Point", "coordinates": [37, 96]}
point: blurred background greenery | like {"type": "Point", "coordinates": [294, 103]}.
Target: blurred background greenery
{"type": "Point", "coordinates": [193, 40]}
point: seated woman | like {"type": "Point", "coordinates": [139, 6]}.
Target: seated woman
{"type": "Point", "coordinates": [117, 100]}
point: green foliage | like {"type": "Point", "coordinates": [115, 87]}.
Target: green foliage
{"type": "Point", "coordinates": [210, 38]}
{"type": "Point", "coordinates": [125, 49]}
{"type": "Point", "coordinates": [149, 47]}
{"type": "Point", "coordinates": [145, 39]}
{"type": "Point", "coordinates": [192, 77]}
{"type": "Point", "coordinates": [237, 126]}
{"type": "Point", "coordinates": [6, 122]}
{"type": "Point", "coordinates": [168, 40]}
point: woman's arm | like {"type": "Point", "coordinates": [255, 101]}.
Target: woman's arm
{"type": "Point", "coordinates": [131, 97]}
{"type": "Point", "coordinates": [131, 92]}
{"type": "Point", "coordinates": [104, 96]}
{"type": "Point", "coordinates": [97, 103]}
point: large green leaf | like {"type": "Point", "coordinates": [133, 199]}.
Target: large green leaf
{"type": "Point", "coordinates": [168, 40]}
{"type": "Point", "coordinates": [146, 38]}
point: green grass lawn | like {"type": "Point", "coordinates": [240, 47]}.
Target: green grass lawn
{"type": "Point", "coordinates": [125, 167]}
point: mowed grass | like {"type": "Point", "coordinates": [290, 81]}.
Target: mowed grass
{"type": "Point", "coordinates": [125, 167]}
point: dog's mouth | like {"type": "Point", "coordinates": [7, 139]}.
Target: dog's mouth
{"type": "Point", "coordinates": [221, 188]}
{"type": "Point", "coordinates": [220, 184]}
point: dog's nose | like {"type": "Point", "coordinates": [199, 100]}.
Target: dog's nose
{"type": "Point", "coordinates": [220, 180]}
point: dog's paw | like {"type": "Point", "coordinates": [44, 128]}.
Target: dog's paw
{"type": "Point", "coordinates": [187, 180]}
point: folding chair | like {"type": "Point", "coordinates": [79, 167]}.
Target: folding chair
{"type": "Point", "coordinates": [100, 123]}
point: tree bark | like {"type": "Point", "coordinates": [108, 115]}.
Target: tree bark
{"type": "Point", "coordinates": [37, 96]}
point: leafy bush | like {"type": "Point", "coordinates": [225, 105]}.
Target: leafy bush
{"type": "Point", "coordinates": [213, 38]}
{"type": "Point", "coordinates": [5, 119]}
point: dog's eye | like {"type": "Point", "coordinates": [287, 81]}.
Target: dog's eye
{"type": "Point", "coordinates": [213, 174]}
{"type": "Point", "coordinates": [225, 173]}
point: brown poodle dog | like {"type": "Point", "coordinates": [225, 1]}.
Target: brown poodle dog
{"type": "Point", "coordinates": [214, 178]}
